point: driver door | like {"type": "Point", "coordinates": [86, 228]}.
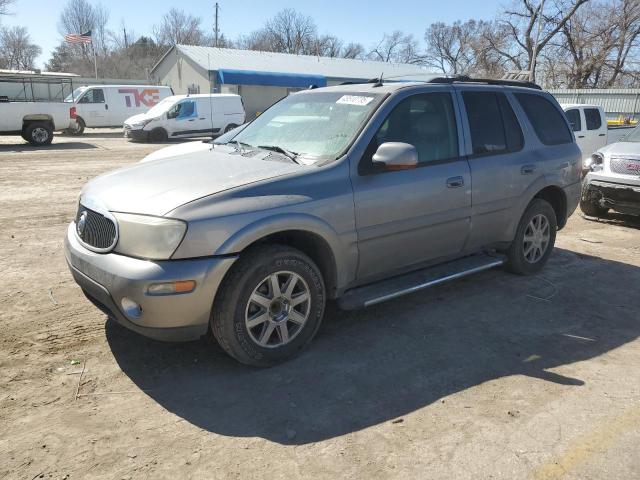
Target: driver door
{"type": "Point", "coordinates": [408, 217]}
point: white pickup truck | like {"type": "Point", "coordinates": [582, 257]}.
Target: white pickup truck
{"type": "Point", "coordinates": [589, 124]}
{"type": "Point", "coordinates": [34, 121]}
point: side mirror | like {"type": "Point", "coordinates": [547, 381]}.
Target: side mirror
{"type": "Point", "coordinates": [395, 156]}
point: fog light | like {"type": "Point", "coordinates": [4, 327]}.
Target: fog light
{"type": "Point", "coordinates": [131, 308]}
{"type": "Point", "coordinates": [171, 288]}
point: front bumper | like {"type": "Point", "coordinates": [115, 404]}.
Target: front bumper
{"type": "Point", "coordinates": [137, 135]}
{"type": "Point", "coordinates": [620, 197]}
{"type": "Point", "coordinates": [108, 278]}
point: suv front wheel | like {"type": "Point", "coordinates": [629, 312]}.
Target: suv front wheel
{"type": "Point", "coordinates": [269, 306]}
{"type": "Point", "coordinates": [534, 240]}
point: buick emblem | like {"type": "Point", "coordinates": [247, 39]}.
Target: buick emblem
{"type": "Point", "coordinates": [82, 222]}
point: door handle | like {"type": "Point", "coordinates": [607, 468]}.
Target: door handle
{"type": "Point", "coordinates": [106, 107]}
{"type": "Point", "coordinates": [528, 169]}
{"type": "Point", "coordinates": [602, 135]}
{"type": "Point", "coordinates": [192, 119]}
{"type": "Point", "coordinates": [563, 165]}
{"type": "Point", "coordinates": [580, 136]}
{"type": "Point", "coordinates": [455, 182]}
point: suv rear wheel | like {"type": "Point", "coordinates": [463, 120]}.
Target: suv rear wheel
{"type": "Point", "coordinates": [269, 306]}
{"type": "Point", "coordinates": [534, 240]}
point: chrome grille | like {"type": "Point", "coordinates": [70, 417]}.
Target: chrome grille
{"type": "Point", "coordinates": [94, 229]}
{"type": "Point", "coordinates": [625, 166]}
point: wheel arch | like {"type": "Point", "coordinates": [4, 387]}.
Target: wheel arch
{"type": "Point", "coordinates": [557, 198]}
{"type": "Point", "coordinates": [311, 236]}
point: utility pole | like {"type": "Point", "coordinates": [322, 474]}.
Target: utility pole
{"type": "Point", "coordinates": [532, 67]}
{"type": "Point", "coordinates": [215, 29]}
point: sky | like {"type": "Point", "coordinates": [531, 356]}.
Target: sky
{"type": "Point", "coordinates": [363, 21]}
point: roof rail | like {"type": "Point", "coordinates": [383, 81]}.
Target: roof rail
{"type": "Point", "coordinates": [488, 81]}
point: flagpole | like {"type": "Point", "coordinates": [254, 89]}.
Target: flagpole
{"type": "Point", "coordinates": [95, 58]}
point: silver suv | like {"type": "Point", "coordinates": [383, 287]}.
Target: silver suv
{"type": "Point", "coordinates": [359, 193]}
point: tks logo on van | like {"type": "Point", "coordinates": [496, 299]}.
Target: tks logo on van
{"type": "Point", "coordinates": [148, 96]}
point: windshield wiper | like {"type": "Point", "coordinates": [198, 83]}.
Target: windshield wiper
{"type": "Point", "coordinates": [275, 148]}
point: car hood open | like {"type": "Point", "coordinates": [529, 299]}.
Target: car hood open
{"type": "Point", "coordinates": [157, 187]}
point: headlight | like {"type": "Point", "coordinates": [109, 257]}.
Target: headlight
{"type": "Point", "coordinates": [144, 123]}
{"type": "Point", "coordinates": [148, 237]}
{"type": "Point", "coordinates": [594, 162]}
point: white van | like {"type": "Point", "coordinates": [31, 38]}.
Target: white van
{"type": "Point", "coordinates": [185, 116]}
{"type": "Point", "coordinates": [111, 105]}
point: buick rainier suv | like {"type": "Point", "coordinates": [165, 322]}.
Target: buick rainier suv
{"type": "Point", "coordinates": [357, 193]}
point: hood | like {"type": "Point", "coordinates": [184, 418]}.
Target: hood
{"type": "Point", "coordinates": [157, 187]}
{"type": "Point", "coordinates": [622, 148]}
{"type": "Point", "coordinates": [135, 118]}
{"type": "Point", "coordinates": [177, 150]}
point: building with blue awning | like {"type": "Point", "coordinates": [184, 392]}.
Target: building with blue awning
{"type": "Point", "coordinates": [262, 78]}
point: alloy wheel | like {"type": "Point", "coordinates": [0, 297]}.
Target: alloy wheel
{"type": "Point", "coordinates": [536, 238]}
{"type": "Point", "coordinates": [278, 309]}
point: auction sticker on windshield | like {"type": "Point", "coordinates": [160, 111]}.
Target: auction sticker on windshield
{"type": "Point", "coordinates": [354, 100]}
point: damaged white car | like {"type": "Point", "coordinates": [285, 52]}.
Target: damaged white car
{"type": "Point", "coordinates": [613, 181]}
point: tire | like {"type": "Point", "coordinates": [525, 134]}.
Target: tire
{"type": "Point", "coordinates": [529, 251]}
{"type": "Point", "coordinates": [158, 135]}
{"type": "Point", "coordinates": [263, 344]}
{"type": "Point", "coordinates": [592, 209]}
{"type": "Point", "coordinates": [79, 130]}
{"type": "Point", "coordinates": [38, 134]}
{"type": "Point", "coordinates": [230, 127]}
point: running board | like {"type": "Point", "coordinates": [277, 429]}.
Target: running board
{"type": "Point", "coordinates": [394, 287]}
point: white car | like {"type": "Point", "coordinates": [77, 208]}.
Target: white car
{"type": "Point", "coordinates": [110, 105]}
{"type": "Point", "coordinates": [187, 116]}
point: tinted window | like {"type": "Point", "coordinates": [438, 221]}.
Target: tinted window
{"type": "Point", "coordinates": [575, 121]}
{"type": "Point", "coordinates": [546, 119]}
{"type": "Point", "coordinates": [512, 130]}
{"type": "Point", "coordinates": [493, 125]}
{"type": "Point", "coordinates": [592, 118]}
{"type": "Point", "coordinates": [427, 122]}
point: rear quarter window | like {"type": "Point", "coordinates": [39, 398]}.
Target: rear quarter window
{"type": "Point", "coordinates": [547, 121]}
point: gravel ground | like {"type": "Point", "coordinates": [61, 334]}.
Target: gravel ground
{"type": "Point", "coordinates": [495, 376]}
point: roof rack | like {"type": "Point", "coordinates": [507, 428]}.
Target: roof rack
{"type": "Point", "coordinates": [488, 81]}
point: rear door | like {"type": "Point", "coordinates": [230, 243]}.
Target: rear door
{"type": "Point", "coordinates": [93, 108]}
{"type": "Point", "coordinates": [406, 217]}
{"type": "Point", "coordinates": [576, 122]}
{"type": "Point", "coordinates": [499, 171]}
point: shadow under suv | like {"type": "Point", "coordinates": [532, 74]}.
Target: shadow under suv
{"type": "Point", "coordinates": [359, 193]}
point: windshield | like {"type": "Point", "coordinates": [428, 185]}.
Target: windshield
{"type": "Point", "coordinates": [72, 97]}
{"type": "Point", "coordinates": [314, 125]}
{"type": "Point", "coordinates": [632, 136]}
{"type": "Point", "coordinates": [161, 107]}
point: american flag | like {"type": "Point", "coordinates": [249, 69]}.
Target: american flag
{"type": "Point", "coordinates": [78, 38]}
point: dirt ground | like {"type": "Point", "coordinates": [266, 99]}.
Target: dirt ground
{"type": "Point", "coordinates": [495, 376]}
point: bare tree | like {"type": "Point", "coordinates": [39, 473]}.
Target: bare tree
{"type": "Point", "coordinates": [79, 16]}
{"type": "Point", "coordinates": [521, 20]}
{"type": "Point", "coordinates": [326, 46]}
{"type": "Point", "coordinates": [177, 27]}
{"type": "Point", "coordinates": [4, 5]}
{"type": "Point", "coordinates": [353, 50]}
{"type": "Point", "coordinates": [627, 28]}
{"type": "Point", "coordinates": [397, 47]}
{"type": "Point", "coordinates": [290, 32]}
{"type": "Point", "coordinates": [16, 49]}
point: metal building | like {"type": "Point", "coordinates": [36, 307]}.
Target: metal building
{"type": "Point", "coordinates": [262, 78]}
{"type": "Point", "coordinates": [618, 103]}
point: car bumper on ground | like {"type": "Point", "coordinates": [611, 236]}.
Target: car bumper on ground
{"type": "Point", "coordinates": [107, 279]}
{"type": "Point", "coordinates": [137, 135]}
{"type": "Point", "coordinates": [620, 197]}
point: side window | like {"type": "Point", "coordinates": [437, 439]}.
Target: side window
{"type": "Point", "coordinates": [546, 119]}
{"type": "Point", "coordinates": [575, 121]}
{"type": "Point", "coordinates": [592, 118]}
{"type": "Point", "coordinates": [187, 109]}
{"type": "Point", "coordinates": [493, 125]}
{"type": "Point", "coordinates": [427, 121]}
{"type": "Point", "coordinates": [95, 95]}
